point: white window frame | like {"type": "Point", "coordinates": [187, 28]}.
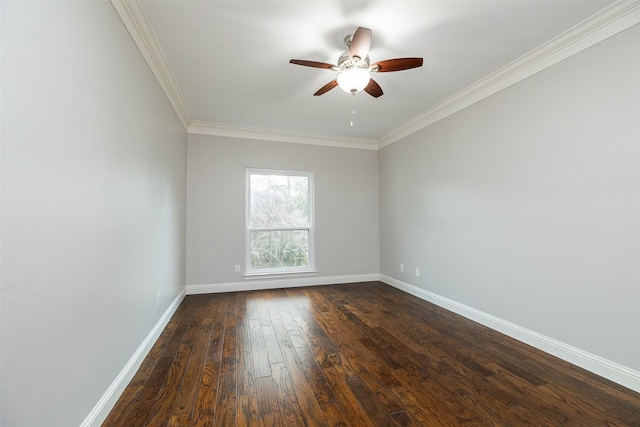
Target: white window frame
{"type": "Point", "coordinates": [287, 271]}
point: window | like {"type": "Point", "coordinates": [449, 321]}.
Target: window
{"type": "Point", "coordinates": [279, 222]}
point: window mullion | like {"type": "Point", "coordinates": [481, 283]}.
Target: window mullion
{"type": "Point", "coordinates": [306, 227]}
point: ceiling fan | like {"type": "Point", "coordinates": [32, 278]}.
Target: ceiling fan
{"type": "Point", "coordinates": [355, 68]}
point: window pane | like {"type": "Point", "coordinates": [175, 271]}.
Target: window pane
{"type": "Point", "coordinates": [279, 201]}
{"type": "Point", "coordinates": [279, 249]}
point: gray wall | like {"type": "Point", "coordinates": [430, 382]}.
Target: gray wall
{"type": "Point", "coordinates": [346, 196]}
{"type": "Point", "coordinates": [93, 207]}
{"type": "Point", "coordinates": [526, 205]}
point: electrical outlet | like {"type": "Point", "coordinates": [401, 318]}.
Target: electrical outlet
{"type": "Point", "coordinates": [417, 272]}
{"type": "Point", "coordinates": [402, 267]}
{"type": "Point", "coordinates": [237, 268]}
{"type": "Point", "coordinates": [158, 299]}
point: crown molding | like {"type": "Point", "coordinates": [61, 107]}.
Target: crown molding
{"type": "Point", "coordinates": [264, 134]}
{"type": "Point", "coordinates": [617, 17]}
{"type": "Point", "coordinates": [604, 24]}
{"type": "Point", "coordinates": [136, 22]}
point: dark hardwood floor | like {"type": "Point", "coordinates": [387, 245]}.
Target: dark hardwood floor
{"type": "Point", "coordinates": [363, 354]}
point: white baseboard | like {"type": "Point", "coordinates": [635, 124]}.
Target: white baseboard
{"type": "Point", "coordinates": [99, 413]}
{"type": "Point", "coordinates": [258, 284]}
{"type": "Point", "coordinates": [605, 368]}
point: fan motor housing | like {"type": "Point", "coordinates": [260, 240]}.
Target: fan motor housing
{"type": "Point", "coordinates": [346, 62]}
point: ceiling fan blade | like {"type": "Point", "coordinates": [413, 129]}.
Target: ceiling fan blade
{"type": "Point", "coordinates": [397, 64]}
{"type": "Point", "coordinates": [311, 63]}
{"type": "Point", "coordinates": [326, 88]}
{"type": "Point", "coordinates": [360, 43]}
{"type": "Point", "coordinates": [373, 89]}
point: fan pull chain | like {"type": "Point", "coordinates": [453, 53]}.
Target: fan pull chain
{"type": "Point", "coordinates": [353, 110]}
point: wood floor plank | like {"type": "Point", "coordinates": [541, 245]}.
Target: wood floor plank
{"type": "Point", "coordinates": [353, 413]}
{"type": "Point", "coordinates": [286, 317]}
{"type": "Point", "coordinates": [123, 408]}
{"type": "Point", "coordinates": [427, 399]}
{"type": "Point", "coordinates": [281, 379]}
{"type": "Point", "coordinates": [290, 410]}
{"type": "Point", "coordinates": [168, 394]}
{"type": "Point", "coordinates": [204, 411]}
{"type": "Point", "coordinates": [352, 355]}
{"type": "Point", "coordinates": [267, 399]}
{"type": "Point", "coordinates": [246, 377]}
{"type": "Point", "coordinates": [308, 322]}
{"type": "Point", "coordinates": [303, 391]}
{"type": "Point", "coordinates": [315, 375]}
{"type": "Point", "coordinates": [271, 420]}
{"type": "Point", "coordinates": [274, 355]}
{"type": "Point", "coordinates": [261, 367]}
{"type": "Point", "coordinates": [226, 409]}
{"type": "Point", "coordinates": [248, 410]}
{"type": "Point", "coordinates": [139, 414]}
{"type": "Point", "coordinates": [229, 348]}
{"type": "Point", "coordinates": [156, 379]}
{"type": "Point", "coordinates": [246, 373]}
{"type": "Point", "coordinates": [402, 419]}
{"type": "Point", "coordinates": [334, 414]}
{"type": "Point", "coordinates": [368, 400]}
{"type": "Point", "coordinates": [294, 400]}
{"type": "Point", "coordinates": [493, 405]}
{"type": "Point", "coordinates": [186, 398]}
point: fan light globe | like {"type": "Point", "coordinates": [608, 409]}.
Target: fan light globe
{"type": "Point", "coordinates": [353, 80]}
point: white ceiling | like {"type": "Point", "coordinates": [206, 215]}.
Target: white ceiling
{"type": "Point", "coordinates": [230, 59]}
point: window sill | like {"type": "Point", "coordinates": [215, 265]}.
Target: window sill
{"type": "Point", "coordinates": [279, 274]}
